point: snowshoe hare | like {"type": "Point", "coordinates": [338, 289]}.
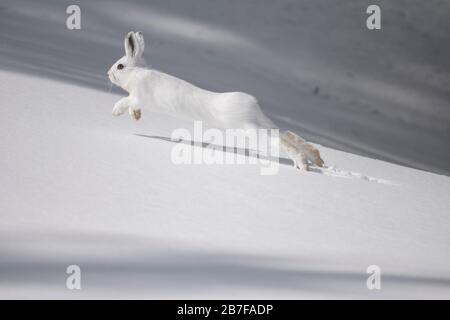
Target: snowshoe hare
{"type": "Point", "coordinates": [153, 90]}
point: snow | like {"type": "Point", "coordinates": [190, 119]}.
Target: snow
{"type": "Point", "coordinates": [79, 186]}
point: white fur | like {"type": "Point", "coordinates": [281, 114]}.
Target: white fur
{"type": "Point", "coordinates": [160, 92]}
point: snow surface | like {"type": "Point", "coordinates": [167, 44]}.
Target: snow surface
{"type": "Point", "coordinates": [79, 186]}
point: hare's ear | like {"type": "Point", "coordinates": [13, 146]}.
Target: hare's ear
{"type": "Point", "coordinates": [140, 44]}
{"type": "Point", "coordinates": [130, 45]}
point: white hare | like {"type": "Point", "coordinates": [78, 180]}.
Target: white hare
{"type": "Point", "coordinates": [160, 92]}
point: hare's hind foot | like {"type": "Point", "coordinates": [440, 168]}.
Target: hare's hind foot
{"type": "Point", "coordinates": [300, 162]}
{"type": "Point", "coordinates": [313, 154]}
{"type": "Point", "coordinates": [301, 152]}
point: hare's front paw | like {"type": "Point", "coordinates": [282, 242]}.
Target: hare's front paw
{"type": "Point", "coordinates": [135, 113]}
{"type": "Point", "coordinates": [119, 108]}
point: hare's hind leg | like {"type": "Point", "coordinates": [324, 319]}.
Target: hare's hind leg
{"type": "Point", "coordinates": [300, 151]}
{"type": "Point", "coordinates": [313, 154]}
{"type": "Point", "coordinates": [299, 158]}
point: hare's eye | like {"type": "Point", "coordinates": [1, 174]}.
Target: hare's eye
{"type": "Point", "coordinates": [120, 66]}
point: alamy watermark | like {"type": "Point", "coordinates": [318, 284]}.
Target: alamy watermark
{"type": "Point", "coordinates": [374, 280]}
{"type": "Point", "coordinates": [373, 22]}
{"type": "Point", "coordinates": [230, 146]}
{"type": "Point", "coordinates": [73, 21]}
{"type": "Point", "coordinates": [73, 281]}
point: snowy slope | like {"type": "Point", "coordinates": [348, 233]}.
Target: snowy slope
{"type": "Point", "coordinates": [79, 186]}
